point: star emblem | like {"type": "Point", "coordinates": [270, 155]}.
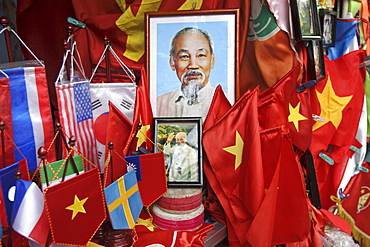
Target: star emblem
{"type": "Point", "coordinates": [331, 106]}
{"type": "Point", "coordinates": [295, 116]}
{"type": "Point", "coordinates": [147, 223]}
{"type": "Point", "coordinates": [77, 206]}
{"type": "Point", "coordinates": [236, 150]}
{"type": "Point", "coordinates": [141, 134]}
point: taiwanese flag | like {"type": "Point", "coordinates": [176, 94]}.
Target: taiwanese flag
{"type": "Point", "coordinates": [6, 116]}
{"type": "Point", "coordinates": [355, 207]}
{"type": "Point", "coordinates": [152, 178]}
{"type": "Point", "coordinates": [338, 100]}
{"type": "Point", "coordinates": [76, 208]}
{"type": "Point", "coordinates": [242, 184]}
{"type": "Point", "coordinates": [118, 132]}
{"type": "Point", "coordinates": [142, 114]}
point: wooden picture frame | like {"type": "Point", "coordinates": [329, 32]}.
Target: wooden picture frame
{"type": "Point", "coordinates": [182, 152]}
{"type": "Point", "coordinates": [328, 21]}
{"type": "Point", "coordinates": [164, 71]}
{"type": "Point", "coordinates": [316, 64]}
{"type": "Point", "coordinates": [305, 20]}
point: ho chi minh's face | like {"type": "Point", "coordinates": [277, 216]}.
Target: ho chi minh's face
{"type": "Point", "coordinates": [192, 58]}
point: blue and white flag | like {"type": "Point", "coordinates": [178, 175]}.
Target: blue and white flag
{"type": "Point", "coordinates": [31, 113]}
{"type": "Point", "coordinates": [346, 38]}
{"type": "Point", "coordinates": [28, 216]}
{"type": "Point", "coordinates": [124, 201]}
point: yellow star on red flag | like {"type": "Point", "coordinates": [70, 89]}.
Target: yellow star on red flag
{"type": "Point", "coordinates": [331, 106]}
{"type": "Point", "coordinates": [141, 137]}
{"type": "Point", "coordinates": [236, 150]}
{"type": "Point", "coordinates": [295, 116]}
{"type": "Point", "coordinates": [77, 206]}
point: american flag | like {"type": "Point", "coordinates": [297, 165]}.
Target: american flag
{"type": "Point", "coordinates": [76, 118]}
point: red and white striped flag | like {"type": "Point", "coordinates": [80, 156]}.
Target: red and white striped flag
{"type": "Point", "coordinates": [76, 117]}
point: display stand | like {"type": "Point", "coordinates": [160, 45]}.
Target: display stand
{"type": "Point", "coordinates": [216, 235]}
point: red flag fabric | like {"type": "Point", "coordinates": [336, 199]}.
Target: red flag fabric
{"type": "Point", "coordinates": [142, 114]}
{"type": "Point", "coordinates": [76, 208]}
{"type": "Point", "coordinates": [292, 108]}
{"type": "Point", "coordinates": [285, 201]}
{"type": "Point", "coordinates": [339, 104]}
{"type": "Point", "coordinates": [153, 184]}
{"type": "Point", "coordinates": [149, 235]}
{"type": "Point", "coordinates": [219, 106]}
{"type": "Point", "coordinates": [239, 148]}
{"type": "Point", "coordinates": [355, 207]}
{"type": "Point", "coordinates": [280, 170]}
{"type": "Point", "coordinates": [6, 116]}
{"type": "Point", "coordinates": [123, 22]}
{"type": "Point", "coordinates": [118, 132]}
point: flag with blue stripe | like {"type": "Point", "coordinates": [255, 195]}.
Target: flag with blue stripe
{"type": "Point", "coordinates": [31, 113]}
{"type": "Point", "coordinates": [7, 184]}
{"type": "Point", "coordinates": [124, 201]}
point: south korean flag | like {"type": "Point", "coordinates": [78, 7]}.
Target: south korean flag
{"type": "Point", "coordinates": [122, 95]}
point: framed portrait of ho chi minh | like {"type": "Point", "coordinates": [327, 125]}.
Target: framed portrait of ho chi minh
{"type": "Point", "coordinates": [180, 141]}
{"type": "Point", "coordinates": [188, 54]}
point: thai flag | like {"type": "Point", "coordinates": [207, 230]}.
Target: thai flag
{"type": "Point", "coordinates": [31, 113]}
{"type": "Point", "coordinates": [75, 112]}
{"type": "Point", "coordinates": [29, 217]}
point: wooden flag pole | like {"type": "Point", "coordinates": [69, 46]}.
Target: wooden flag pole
{"type": "Point", "coordinates": [107, 59]}
{"type": "Point", "coordinates": [5, 23]}
{"type": "Point", "coordinates": [314, 194]}
{"type": "Point", "coordinates": [43, 153]}
{"type": "Point", "coordinates": [2, 129]}
{"type": "Point", "coordinates": [110, 147]}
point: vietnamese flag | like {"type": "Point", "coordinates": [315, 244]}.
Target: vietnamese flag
{"type": "Point", "coordinates": [143, 115]}
{"type": "Point", "coordinates": [76, 208]}
{"type": "Point", "coordinates": [239, 154]}
{"type": "Point", "coordinates": [219, 106]}
{"type": "Point", "coordinates": [338, 100]}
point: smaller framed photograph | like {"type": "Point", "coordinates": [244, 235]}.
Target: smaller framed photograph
{"type": "Point", "coordinates": [328, 20]}
{"type": "Point", "coordinates": [180, 140]}
{"type": "Point", "coordinates": [305, 20]}
{"type": "Point", "coordinates": [315, 53]}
